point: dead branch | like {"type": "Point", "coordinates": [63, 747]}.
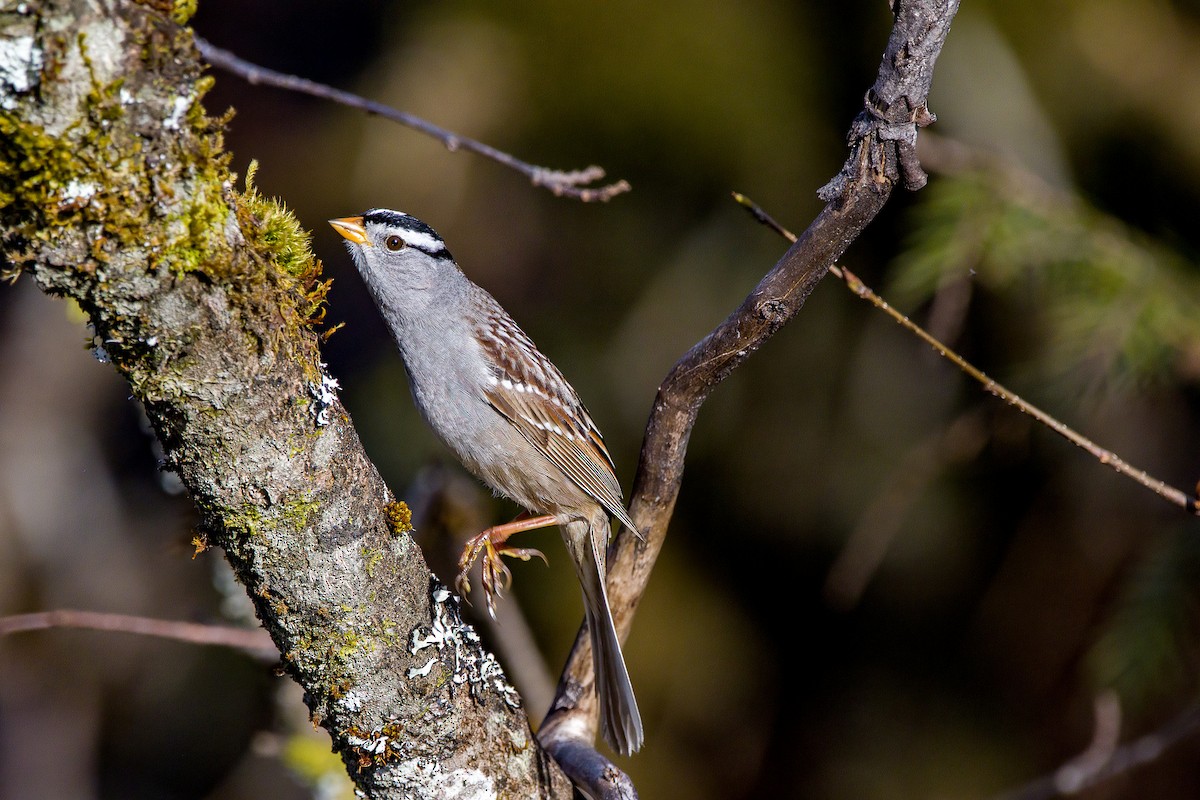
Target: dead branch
{"type": "Point", "coordinates": [882, 154]}
{"type": "Point", "coordinates": [573, 184]}
{"type": "Point", "coordinates": [256, 642]}
{"type": "Point", "coordinates": [1104, 760]}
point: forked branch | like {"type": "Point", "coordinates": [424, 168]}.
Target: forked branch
{"type": "Point", "coordinates": [881, 155]}
{"type": "Point", "coordinates": [1104, 759]}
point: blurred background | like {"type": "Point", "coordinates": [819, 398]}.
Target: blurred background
{"type": "Point", "coordinates": [880, 582]}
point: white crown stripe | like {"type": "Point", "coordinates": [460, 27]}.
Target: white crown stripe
{"type": "Point", "coordinates": [423, 241]}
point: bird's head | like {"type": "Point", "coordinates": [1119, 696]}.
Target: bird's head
{"type": "Point", "coordinates": [396, 253]}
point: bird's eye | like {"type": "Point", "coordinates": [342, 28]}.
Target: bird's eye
{"type": "Point", "coordinates": [394, 243]}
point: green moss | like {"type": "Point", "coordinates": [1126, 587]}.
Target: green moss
{"type": "Point", "coordinates": [94, 176]}
{"type": "Point", "coordinates": [183, 10]}
{"type": "Point", "coordinates": [388, 632]}
{"type": "Point", "coordinates": [282, 236]}
{"type": "Point", "coordinates": [331, 641]}
{"type": "Point", "coordinates": [299, 512]}
{"type": "Point", "coordinates": [247, 522]}
{"type": "Point", "coordinates": [346, 643]}
{"type": "Point", "coordinates": [49, 182]}
{"type": "Point", "coordinates": [399, 517]}
{"type": "Point", "coordinates": [276, 234]}
{"type": "Point", "coordinates": [197, 233]}
{"type": "Point", "coordinates": [251, 520]}
{"type": "Point", "coordinates": [35, 171]}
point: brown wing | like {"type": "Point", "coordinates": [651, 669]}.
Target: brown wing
{"type": "Point", "coordinates": [533, 395]}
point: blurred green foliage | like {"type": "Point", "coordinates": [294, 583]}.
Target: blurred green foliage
{"type": "Point", "coordinates": [1150, 649]}
{"type": "Point", "coordinates": [1107, 304]}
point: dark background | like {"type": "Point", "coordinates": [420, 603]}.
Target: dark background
{"type": "Point", "coordinates": [1010, 567]}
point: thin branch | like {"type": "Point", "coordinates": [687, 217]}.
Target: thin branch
{"type": "Point", "coordinates": [256, 642]}
{"type": "Point", "coordinates": [572, 184]}
{"type": "Point", "coordinates": [1085, 772]}
{"type": "Point", "coordinates": [881, 157]}
{"type": "Point", "coordinates": [1106, 737]}
{"type": "Point", "coordinates": [1159, 487]}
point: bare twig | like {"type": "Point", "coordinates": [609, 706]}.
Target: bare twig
{"type": "Point", "coordinates": [1106, 737]}
{"type": "Point", "coordinates": [572, 184]}
{"type": "Point", "coordinates": [1087, 771]}
{"type": "Point", "coordinates": [254, 641]}
{"type": "Point", "coordinates": [1159, 487]}
{"type": "Point", "coordinates": [881, 156]}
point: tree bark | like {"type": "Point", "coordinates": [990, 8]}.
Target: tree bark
{"type": "Point", "coordinates": [115, 191]}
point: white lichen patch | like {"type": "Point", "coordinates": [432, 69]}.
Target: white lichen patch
{"type": "Point", "coordinates": [423, 672]}
{"type": "Point", "coordinates": [459, 644]}
{"type": "Point", "coordinates": [324, 396]}
{"type": "Point", "coordinates": [376, 744]}
{"type": "Point", "coordinates": [178, 109]}
{"type": "Point", "coordinates": [466, 784]}
{"type": "Point", "coordinates": [77, 194]}
{"type": "Point", "coordinates": [426, 779]}
{"type": "Point", "coordinates": [20, 67]}
{"type": "Point", "coordinates": [351, 701]}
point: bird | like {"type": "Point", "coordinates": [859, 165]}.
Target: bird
{"type": "Point", "coordinates": [513, 421]}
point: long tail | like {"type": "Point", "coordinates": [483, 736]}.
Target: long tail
{"type": "Point", "coordinates": [620, 721]}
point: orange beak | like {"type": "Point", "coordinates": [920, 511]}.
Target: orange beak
{"type": "Point", "coordinates": [352, 228]}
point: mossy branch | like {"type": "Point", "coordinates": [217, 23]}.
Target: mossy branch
{"type": "Point", "coordinates": [115, 190]}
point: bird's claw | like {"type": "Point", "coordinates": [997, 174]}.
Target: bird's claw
{"type": "Point", "coordinates": [495, 575]}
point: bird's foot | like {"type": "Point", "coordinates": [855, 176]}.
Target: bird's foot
{"type": "Point", "coordinates": [493, 545]}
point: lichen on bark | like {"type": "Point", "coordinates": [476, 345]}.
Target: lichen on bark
{"type": "Point", "coordinates": [115, 190]}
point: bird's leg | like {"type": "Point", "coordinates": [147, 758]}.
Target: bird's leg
{"type": "Point", "coordinates": [492, 544]}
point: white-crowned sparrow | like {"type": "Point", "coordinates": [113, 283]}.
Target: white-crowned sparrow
{"type": "Point", "coordinates": [512, 419]}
